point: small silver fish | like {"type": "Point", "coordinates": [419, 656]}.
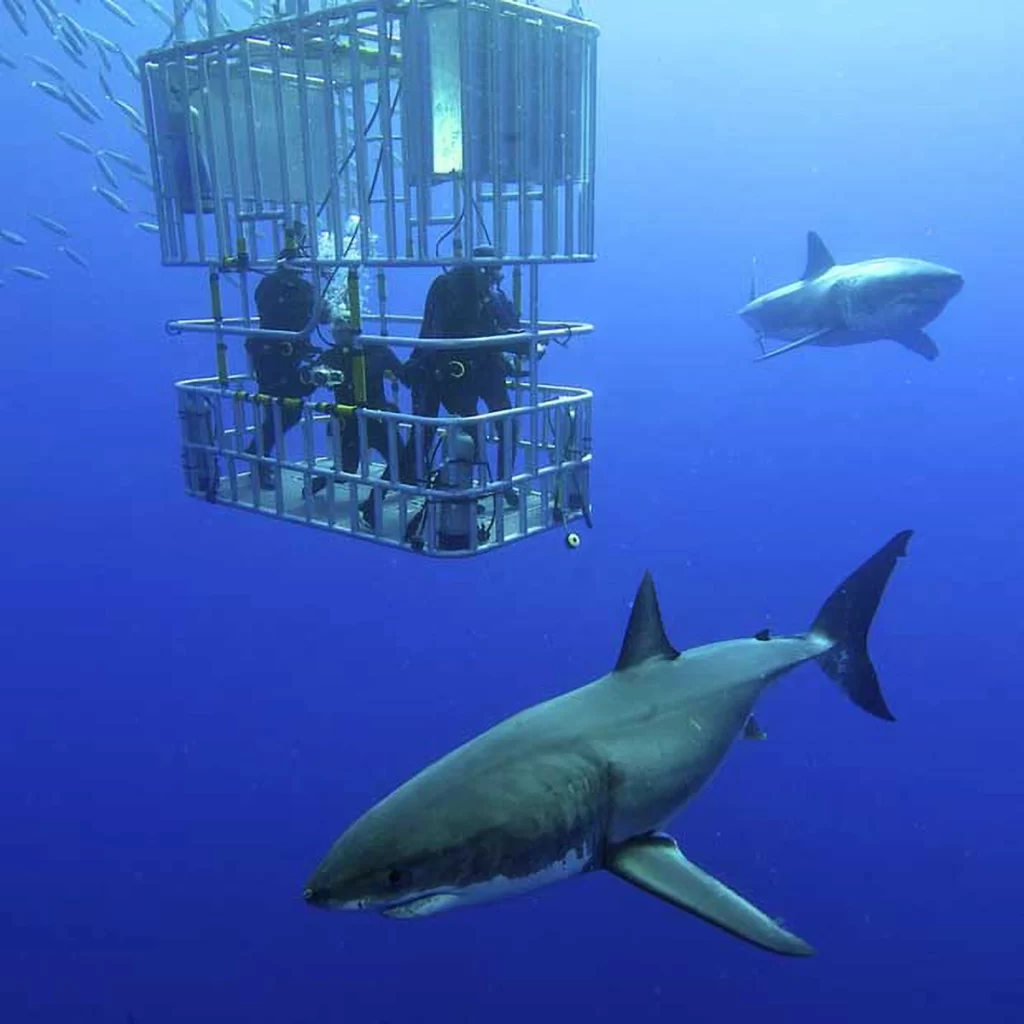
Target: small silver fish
{"type": "Point", "coordinates": [119, 12]}
{"type": "Point", "coordinates": [104, 59]}
{"type": "Point", "coordinates": [11, 236]}
{"type": "Point", "coordinates": [125, 161]}
{"type": "Point", "coordinates": [129, 64]}
{"type": "Point", "coordinates": [130, 112]}
{"type": "Point", "coordinates": [151, 229]}
{"type": "Point", "coordinates": [73, 256]}
{"type": "Point", "coordinates": [7, 62]}
{"type": "Point", "coordinates": [142, 180]}
{"type": "Point", "coordinates": [64, 42]}
{"type": "Point", "coordinates": [77, 107]}
{"type": "Point", "coordinates": [17, 14]}
{"type": "Point", "coordinates": [50, 69]}
{"type": "Point", "coordinates": [87, 104]}
{"type": "Point", "coordinates": [106, 170]}
{"type": "Point", "coordinates": [46, 14]}
{"type": "Point", "coordinates": [105, 86]}
{"type": "Point", "coordinates": [53, 225]}
{"type": "Point", "coordinates": [101, 41]}
{"type": "Point", "coordinates": [75, 142]}
{"type": "Point", "coordinates": [74, 30]}
{"type": "Point", "coordinates": [31, 272]}
{"type": "Point", "coordinates": [160, 13]}
{"type": "Point", "coordinates": [115, 200]}
{"type": "Point", "coordinates": [73, 42]}
{"type": "Point", "coordinates": [55, 92]}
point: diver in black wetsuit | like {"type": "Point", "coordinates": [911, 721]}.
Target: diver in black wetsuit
{"type": "Point", "coordinates": [466, 302]}
{"type": "Point", "coordinates": [285, 301]}
{"type": "Point", "coordinates": [380, 362]}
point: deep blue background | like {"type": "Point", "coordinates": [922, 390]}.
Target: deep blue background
{"type": "Point", "coordinates": [194, 702]}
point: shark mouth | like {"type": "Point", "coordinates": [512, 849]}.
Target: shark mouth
{"type": "Point", "coordinates": [497, 887]}
{"type": "Point", "coordinates": [421, 906]}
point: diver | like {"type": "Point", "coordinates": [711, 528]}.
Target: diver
{"type": "Point", "coordinates": [285, 301]}
{"type": "Point", "coordinates": [467, 302]}
{"type": "Point", "coordinates": [380, 363]}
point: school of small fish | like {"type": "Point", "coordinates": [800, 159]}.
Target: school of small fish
{"type": "Point", "coordinates": [75, 55]}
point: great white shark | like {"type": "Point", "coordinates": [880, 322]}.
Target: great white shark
{"type": "Point", "coordinates": [849, 304]}
{"type": "Point", "coordinates": [587, 780]}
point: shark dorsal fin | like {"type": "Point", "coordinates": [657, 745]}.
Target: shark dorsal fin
{"type": "Point", "coordinates": [645, 635]}
{"type": "Point", "coordinates": [819, 259]}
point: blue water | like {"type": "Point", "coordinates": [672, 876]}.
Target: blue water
{"type": "Point", "coordinates": [195, 702]}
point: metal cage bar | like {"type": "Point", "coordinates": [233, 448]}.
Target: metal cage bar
{"type": "Point", "coordinates": [521, 87]}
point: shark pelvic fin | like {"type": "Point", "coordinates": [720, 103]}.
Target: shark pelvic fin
{"type": "Point", "coordinates": [819, 259]}
{"type": "Point", "coordinates": [645, 635]}
{"type": "Point", "coordinates": [753, 731]}
{"type": "Point", "coordinates": [807, 339]}
{"type": "Point", "coordinates": [655, 864]}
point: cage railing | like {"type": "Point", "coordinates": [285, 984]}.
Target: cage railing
{"type": "Point", "coordinates": [427, 490]}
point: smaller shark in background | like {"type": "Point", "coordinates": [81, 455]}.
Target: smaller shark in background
{"type": "Point", "coordinates": [852, 303]}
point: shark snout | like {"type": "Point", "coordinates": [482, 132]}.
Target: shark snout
{"type": "Point", "coordinates": [941, 282]}
{"type": "Point", "coordinates": [317, 896]}
{"type": "Point", "coordinates": [322, 898]}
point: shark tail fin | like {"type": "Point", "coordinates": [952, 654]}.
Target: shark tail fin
{"type": "Point", "coordinates": [845, 619]}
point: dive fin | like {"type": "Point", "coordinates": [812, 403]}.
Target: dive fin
{"type": "Point", "coordinates": [845, 619]}
{"type": "Point", "coordinates": [753, 731]}
{"type": "Point", "coordinates": [807, 339]}
{"type": "Point", "coordinates": [819, 259]}
{"type": "Point", "coordinates": [655, 864]}
{"type": "Point", "coordinates": [920, 343]}
{"type": "Point", "coordinates": [645, 635]}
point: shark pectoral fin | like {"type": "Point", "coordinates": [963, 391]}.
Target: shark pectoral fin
{"type": "Point", "coordinates": [919, 342]}
{"type": "Point", "coordinates": [807, 339]}
{"type": "Point", "coordinates": [656, 864]}
{"type": "Point", "coordinates": [753, 731]}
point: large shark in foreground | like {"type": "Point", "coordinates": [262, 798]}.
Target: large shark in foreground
{"type": "Point", "coordinates": [585, 781]}
{"type": "Point", "coordinates": [848, 304]}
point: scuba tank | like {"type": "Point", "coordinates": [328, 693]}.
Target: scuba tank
{"type": "Point", "coordinates": [202, 472]}
{"type": "Point", "coordinates": [458, 517]}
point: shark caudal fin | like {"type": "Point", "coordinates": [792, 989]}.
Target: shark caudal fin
{"type": "Point", "coordinates": [845, 619]}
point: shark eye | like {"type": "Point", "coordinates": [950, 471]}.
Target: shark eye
{"type": "Point", "coordinates": [395, 878]}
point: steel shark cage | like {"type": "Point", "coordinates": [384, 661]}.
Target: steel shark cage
{"type": "Point", "coordinates": [379, 136]}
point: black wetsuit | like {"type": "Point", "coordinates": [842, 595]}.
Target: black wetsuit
{"type": "Point", "coordinates": [285, 301]}
{"type": "Point", "coordinates": [379, 361]}
{"type": "Point", "coordinates": [460, 305]}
